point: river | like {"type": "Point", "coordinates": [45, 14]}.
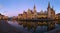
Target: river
{"type": "Point", "coordinates": [38, 29]}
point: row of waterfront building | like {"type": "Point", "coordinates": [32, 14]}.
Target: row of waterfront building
{"type": "Point", "coordinates": [30, 14]}
{"type": "Point", "coordinates": [3, 17]}
{"type": "Point", "coordinates": [50, 13]}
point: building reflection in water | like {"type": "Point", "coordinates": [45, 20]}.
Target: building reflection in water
{"type": "Point", "coordinates": [37, 26]}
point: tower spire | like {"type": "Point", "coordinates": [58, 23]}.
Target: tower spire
{"type": "Point", "coordinates": [49, 5]}
{"type": "Point", "coordinates": [34, 6]}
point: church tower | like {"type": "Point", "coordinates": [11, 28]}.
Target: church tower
{"type": "Point", "coordinates": [49, 11]}
{"type": "Point", "coordinates": [34, 10]}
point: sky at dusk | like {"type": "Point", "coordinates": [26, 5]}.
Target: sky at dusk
{"type": "Point", "coordinates": [15, 7]}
